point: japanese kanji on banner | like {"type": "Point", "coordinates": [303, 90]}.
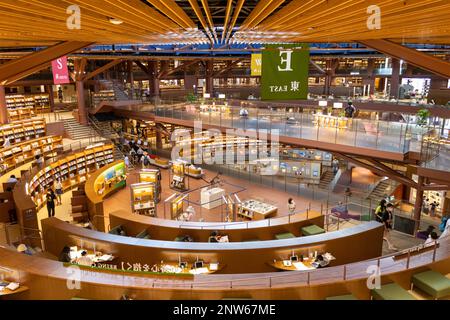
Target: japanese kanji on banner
{"type": "Point", "coordinates": [285, 72]}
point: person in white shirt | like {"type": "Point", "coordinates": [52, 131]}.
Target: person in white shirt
{"type": "Point", "coordinates": [431, 239]}
{"type": "Point", "coordinates": [127, 161]}
{"type": "Point", "coordinates": [58, 191]}
{"type": "Point", "coordinates": [446, 231]}
{"type": "Point", "coordinates": [12, 179]}
{"type": "Point", "coordinates": [291, 205]}
{"type": "Point", "coordinates": [84, 260]}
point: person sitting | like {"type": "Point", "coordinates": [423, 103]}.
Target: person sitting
{"type": "Point", "coordinates": [65, 255]}
{"type": "Point", "coordinates": [425, 234]}
{"type": "Point", "coordinates": [321, 262]}
{"type": "Point", "coordinates": [213, 237]}
{"type": "Point", "coordinates": [243, 112]}
{"type": "Point", "coordinates": [22, 248]}
{"type": "Point", "coordinates": [431, 239]}
{"type": "Point", "coordinates": [84, 260]}
{"type": "Point", "coordinates": [12, 179]}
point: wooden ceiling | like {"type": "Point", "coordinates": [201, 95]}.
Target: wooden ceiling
{"type": "Point", "coordinates": [43, 22]}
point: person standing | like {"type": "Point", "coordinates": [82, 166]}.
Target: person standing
{"type": "Point", "coordinates": [387, 220]}
{"type": "Point", "coordinates": [291, 205]}
{"type": "Point", "coordinates": [58, 190]}
{"type": "Point", "coordinates": [433, 207]}
{"type": "Point", "coordinates": [127, 161]}
{"type": "Point", "coordinates": [50, 199]}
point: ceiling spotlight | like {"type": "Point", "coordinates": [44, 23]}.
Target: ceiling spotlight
{"type": "Point", "coordinates": [115, 21]}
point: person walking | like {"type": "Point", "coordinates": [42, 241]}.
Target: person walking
{"type": "Point", "coordinates": [58, 191]}
{"type": "Point", "coordinates": [433, 207]}
{"type": "Point", "coordinates": [387, 220]}
{"type": "Point", "coordinates": [50, 199]}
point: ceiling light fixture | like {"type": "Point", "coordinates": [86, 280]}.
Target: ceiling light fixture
{"type": "Point", "coordinates": [115, 21]}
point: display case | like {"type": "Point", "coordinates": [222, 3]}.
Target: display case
{"type": "Point", "coordinates": [256, 210]}
{"type": "Point", "coordinates": [20, 131]}
{"type": "Point", "coordinates": [178, 179]}
{"type": "Point", "coordinates": [143, 197]}
{"type": "Point", "coordinates": [176, 206]}
{"type": "Point", "coordinates": [154, 176]}
{"type": "Point", "coordinates": [21, 153]}
{"type": "Point", "coordinates": [328, 121]}
{"type": "Point", "coordinates": [193, 171]}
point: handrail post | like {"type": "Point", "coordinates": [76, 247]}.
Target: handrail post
{"type": "Point", "coordinates": [308, 281]}
{"type": "Point", "coordinates": [345, 272]}
{"type": "Point", "coordinates": [407, 260]}
{"type": "Point", "coordinates": [434, 251]}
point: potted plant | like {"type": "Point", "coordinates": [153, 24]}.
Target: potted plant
{"type": "Point", "coordinates": [422, 117]}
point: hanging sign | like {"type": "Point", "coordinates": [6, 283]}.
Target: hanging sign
{"type": "Point", "coordinates": [256, 64]}
{"type": "Point", "coordinates": [285, 71]}
{"type": "Point", "coordinates": [60, 71]}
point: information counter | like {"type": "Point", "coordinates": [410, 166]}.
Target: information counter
{"type": "Point", "coordinates": [349, 245]}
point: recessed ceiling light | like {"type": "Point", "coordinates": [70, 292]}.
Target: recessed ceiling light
{"type": "Point", "coordinates": [115, 21]}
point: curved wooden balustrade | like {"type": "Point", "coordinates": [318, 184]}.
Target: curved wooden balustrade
{"type": "Point", "coordinates": [349, 245]}
{"type": "Point", "coordinates": [162, 229]}
{"type": "Point", "coordinates": [40, 274]}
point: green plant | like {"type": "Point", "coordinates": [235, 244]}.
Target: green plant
{"type": "Point", "coordinates": [191, 97]}
{"type": "Point", "coordinates": [422, 117]}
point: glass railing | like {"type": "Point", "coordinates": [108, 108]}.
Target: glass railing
{"type": "Point", "coordinates": [364, 133]}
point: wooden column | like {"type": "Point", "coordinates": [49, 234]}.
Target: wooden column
{"type": "Point", "coordinates": [153, 78]}
{"type": "Point", "coordinates": [419, 202]}
{"type": "Point", "coordinates": [209, 77]}
{"type": "Point", "coordinates": [131, 79]}
{"type": "Point", "coordinates": [159, 144]}
{"type": "Point", "coordinates": [51, 99]}
{"type": "Point", "coordinates": [82, 112]}
{"type": "Point", "coordinates": [3, 109]}
{"type": "Point", "coordinates": [395, 78]}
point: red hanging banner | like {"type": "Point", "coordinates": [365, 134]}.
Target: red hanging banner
{"type": "Point", "coordinates": [60, 71]}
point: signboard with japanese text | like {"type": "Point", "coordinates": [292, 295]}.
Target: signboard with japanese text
{"type": "Point", "coordinates": [60, 71]}
{"type": "Point", "coordinates": [256, 64]}
{"type": "Point", "coordinates": [285, 72]}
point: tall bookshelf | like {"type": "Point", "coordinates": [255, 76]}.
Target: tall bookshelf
{"type": "Point", "coordinates": [73, 170]}
{"type": "Point", "coordinates": [26, 151]}
{"type": "Point", "coordinates": [21, 131]}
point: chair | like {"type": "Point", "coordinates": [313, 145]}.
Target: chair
{"type": "Point", "coordinates": [342, 297]}
{"type": "Point", "coordinates": [432, 283]}
{"type": "Point", "coordinates": [311, 230]}
{"type": "Point", "coordinates": [286, 235]}
{"type": "Point", "coordinates": [115, 230]}
{"type": "Point", "coordinates": [143, 235]}
{"type": "Point", "coordinates": [391, 291]}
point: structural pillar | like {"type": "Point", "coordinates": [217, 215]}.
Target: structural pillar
{"type": "Point", "coordinates": [209, 77]}
{"type": "Point", "coordinates": [419, 202]}
{"type": "Point", "coordinates": [153, 78]}
{"type": "Point", "coordinates": [131, 79]}
{"type": "Point", "coordinates": [51, 99]}
{"type": "Point", "coordinates": [395, 78]}
{"type": "Point", "coordinates": [159, 144]}
{"type": "Point", "coordinates": [3, 108]}
{"type": "Point", "coordinates": [82, 112]}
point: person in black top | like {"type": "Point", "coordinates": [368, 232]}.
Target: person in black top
{"type": "Point", "coordinates": [50, 198]}
{"type": "Point", "coordinates": [65, 255]}
{"type": "Point", "coordinates": [387, 219]}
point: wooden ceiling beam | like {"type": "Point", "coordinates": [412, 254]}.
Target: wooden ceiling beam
{"type": "Point", "coordinates": [412, 56]}
{"type": "Point", "coordinates": [227, 18]}
{"type": "Point", "coordinates": [237, 11]}
{"type": "Point", "coordinates": [101, 69]}
{"type": "Point", "coordinates": [198, 12]}
{"type": "Point", "coordinates": [171, 9]}
{"type": "Point", "coordinates": [26, 65]}
{"type": "Point", "coordinates": [209, 18]}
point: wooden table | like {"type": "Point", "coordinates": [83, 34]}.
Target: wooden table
{"type": "Point", "coordinates": [280, 265]}
{"type": "Point", "coordinates": [7, 292]}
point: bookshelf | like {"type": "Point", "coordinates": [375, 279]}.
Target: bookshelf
{"type": "Point", "coordinates": [72, 170]}
{"type": "Point", "coordinates": [26, 151]}
{"type": "Point", "coordinates": [20, 131]}
{"type": "Point", "coordinates": [21, 113]}
{"type": "Point", "coordinates": [103, 95]}
{"type": "Point", "coordinates": [38, 103]}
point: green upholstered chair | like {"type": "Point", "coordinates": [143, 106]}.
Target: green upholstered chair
{"type": "Point", "coordinates": [391, 291]}
{"type": "Point", "coordinates": [432, 283]}
{"type": "Point", "coordinates": [311, 230]}
{"type": "Point", "coordinates": [115, 230]}
{"type": "Point", "coordinates": [179, 239]}
{"type": "Point", "coordinates": [143, 235]}
{"type": "Point", "coordinates": [286, 235]}
{"type": "Point", "coordinates": [342, 297]}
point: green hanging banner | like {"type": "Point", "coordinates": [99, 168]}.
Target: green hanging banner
{"type": "Point", "coordinates": [285, 70]}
